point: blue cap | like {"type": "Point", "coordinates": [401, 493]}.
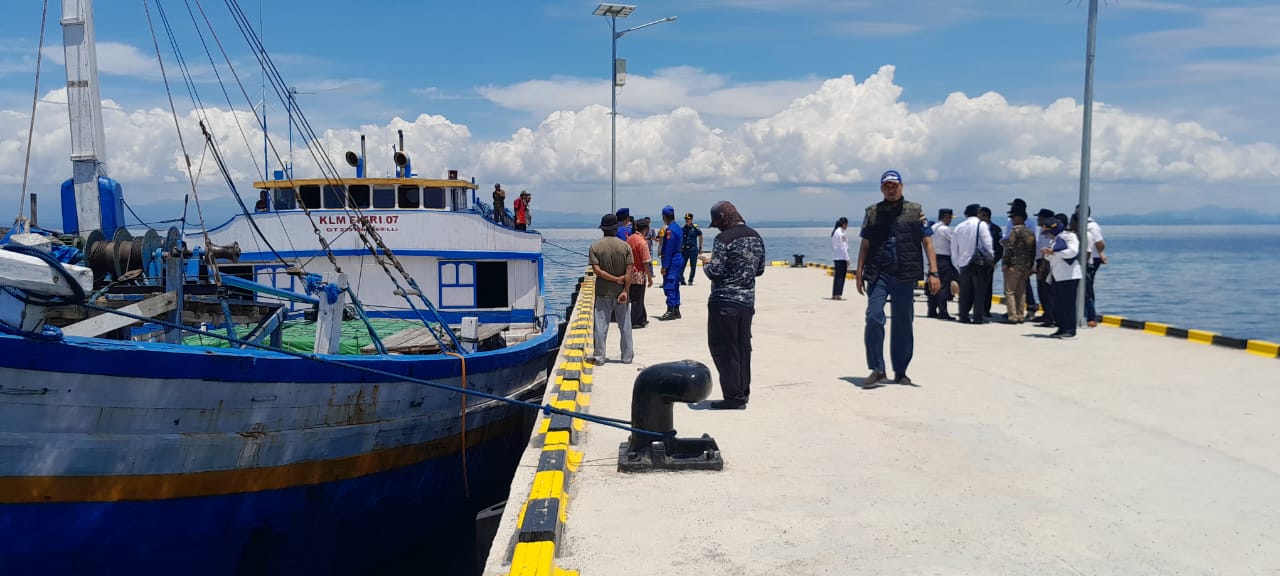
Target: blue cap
{"type": "Point", "coordinates": [623, 213]}
{"type": "Point", "coordinates": [668, 210]}
{"type": "Point", "coordinates": [891, 176]}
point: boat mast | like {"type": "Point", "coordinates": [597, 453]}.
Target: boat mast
{"type": "Point", "coordinates": [84, 104]}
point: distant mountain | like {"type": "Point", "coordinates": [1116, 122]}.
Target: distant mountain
{"type": "Point", "coordinates": [1204, 215]}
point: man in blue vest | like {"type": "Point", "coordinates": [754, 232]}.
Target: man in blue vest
{"type": "Point", "coordinates": [894, 235]}
{"type": "Point", "coordinates": [672, 262]}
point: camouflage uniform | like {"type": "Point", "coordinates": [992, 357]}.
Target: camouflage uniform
{"type": "Point", "coordinates": [1019, 260]}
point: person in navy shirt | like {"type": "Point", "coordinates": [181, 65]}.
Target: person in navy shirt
{"type": "Point", "coordinates": [672, 262]}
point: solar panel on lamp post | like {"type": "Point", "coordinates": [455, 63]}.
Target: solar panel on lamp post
{"type": "Point", "coordinates": [612, 12]}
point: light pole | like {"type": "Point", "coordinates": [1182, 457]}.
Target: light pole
{"type": "Point", "coordinates": [1082, 209]}
{"type": "Point", "coordinates": [613, 12]}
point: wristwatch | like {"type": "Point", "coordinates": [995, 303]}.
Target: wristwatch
{"type": "Point", "coordinates": [934, 274]}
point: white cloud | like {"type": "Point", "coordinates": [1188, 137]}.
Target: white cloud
{"type": "Point", "coordinates": [119, 59]}
{"type": "Point", "coordinates": [813, 154]}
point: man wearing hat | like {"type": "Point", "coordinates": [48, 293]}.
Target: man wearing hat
{"type": "Point", "coordinates": [1044, 239]}
{"type": "Point", "coordinates": [672, 262]}
{"type": "Point", "coordinates": [611, 261]}
{"type": "Point", "coordinates": [522, 210]}
{"type": "Point", "coordinates": [1019, 257]}
{"type": "Point", "coordinates": [946, 272]}
{"type": "Point", "coordinates": [895, 234]}
{"type": "Point", "coordinates": [1020, 205]}
{"type": "Point", "coordinates": [691, 247]}
{"type": "Point", "coordinates": [997, 234]}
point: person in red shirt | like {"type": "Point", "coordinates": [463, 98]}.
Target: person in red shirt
{"type": "Point", "coordinates": [522, 210]}
{"type": "Point", "coordinates": [641, 273]}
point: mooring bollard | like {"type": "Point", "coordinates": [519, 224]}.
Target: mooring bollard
{"type": "Point", "coordinates": [656, 390]}
{"type": "Point", "coordinates": [799, 261]}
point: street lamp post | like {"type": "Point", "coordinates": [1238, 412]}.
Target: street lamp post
{"type": "Point", "coordinates": [613, 12]}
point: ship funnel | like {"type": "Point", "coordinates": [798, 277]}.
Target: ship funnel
{"type": "Point", "coordinates": [357, 160]}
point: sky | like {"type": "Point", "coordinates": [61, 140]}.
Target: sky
{"type": "Point", "coordinates": [789, 108]}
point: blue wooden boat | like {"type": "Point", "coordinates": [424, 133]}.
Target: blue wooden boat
{"type": "Point", "coordinates": [138, 447]}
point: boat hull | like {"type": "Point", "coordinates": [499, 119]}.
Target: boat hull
{"type": "Point", "coordinates": [246, 461]}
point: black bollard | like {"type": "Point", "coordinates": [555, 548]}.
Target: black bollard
{"type": "Point", "coordinates": [799, 261]}
{"type": "Point", "coordinates": [655, 391]}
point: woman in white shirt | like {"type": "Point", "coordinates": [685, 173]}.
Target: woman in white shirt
{"type": "Point", "coordinates": [840, 254]}
{"type": "Point", "coordinates": [1064, 264]}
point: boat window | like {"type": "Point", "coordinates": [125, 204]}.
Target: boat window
{"type": "Point", "coordinates": [433, 198]}
{"type": "Point", "coordinates": [491, 285]}
{"type": "Point", "coordinates": [284, 199]}
{"type": "Point", "coordinates": [384, 197]}
{"type": "Point", "coordinates": [310, 196]}
{"type": "Point", "coordinates": [457, 285]}
{"type": "Point", "coordinates": [459, 198]}
{"type": "Point", "coordinates": [333, 196]}
{"type": "Point", "coordinates": [358, 195]}
{"type": "Point", "coordinates": [409, 197]}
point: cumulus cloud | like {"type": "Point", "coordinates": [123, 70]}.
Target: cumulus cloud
{"type": "Point", "coordinates": [820, 148]}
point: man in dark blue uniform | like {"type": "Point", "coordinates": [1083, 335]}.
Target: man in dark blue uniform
{"type": "Point", "coordinates": [691, 247]}
{"type": "Point", "coordinates": [672, 262]}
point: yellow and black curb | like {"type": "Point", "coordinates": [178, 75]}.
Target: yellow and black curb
{"type": "Point", "coordinates": [540, 525]}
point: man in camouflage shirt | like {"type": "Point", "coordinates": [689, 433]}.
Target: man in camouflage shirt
{"type": "Point", "coordinates": [1019, 258]}
{"type": "Point", "coordinates": [736, 259]}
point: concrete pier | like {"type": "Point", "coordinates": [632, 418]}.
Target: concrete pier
{"type": "Point", "coordinates": [1116, 453]}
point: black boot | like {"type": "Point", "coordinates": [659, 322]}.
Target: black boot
{"type": "Point", "coordinates": [673, 313]}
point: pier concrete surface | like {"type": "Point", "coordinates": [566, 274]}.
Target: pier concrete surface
{"type": "Point", "coordinates": [1116, 453]}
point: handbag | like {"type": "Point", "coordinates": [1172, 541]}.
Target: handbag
{"type": "Point", "coordinates": [980, 258]}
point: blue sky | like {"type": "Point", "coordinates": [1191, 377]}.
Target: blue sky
{"type": "Point", "coordinates": [755, 100]}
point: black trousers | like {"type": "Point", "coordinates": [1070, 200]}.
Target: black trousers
{"type": "Point", "coordinates": [639, 316]}
{"type": "Point", "coordinates": [729, 337]}
{"type": "Point", "coordinates": [1046, 299]}
{"type": "Point", "coordinates": [1064, 305]}
{"type": "Point", "coordinates": [990, 284]}
{"type": "Point", "coordinates": [938, 301]}
{"type": "Point", "coordinates": [837, 283]}
{"type": "Point", "coordinates": [975, 282]}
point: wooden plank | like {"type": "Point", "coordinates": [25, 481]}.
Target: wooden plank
{"type": "Point", "coordinates": [106, 322]}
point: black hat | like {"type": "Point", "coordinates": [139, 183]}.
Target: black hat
{"type": "Point", "coordinates": [984, 210]}
{"type": "Point", "coordinates": [1044, 213]}
{"type": "Point", "coordinates": [971, 210]}
{"type": "Point", "coordinates": [944, 212]}
{"type": "Point", "coordinates": [1018, 202]}
{"type": "Point", "coordinates": [608, 222]}
{"type": "Point", "coordinates": [1018, 212]}
{"type": "Point", "coordinates": [1062, 218]}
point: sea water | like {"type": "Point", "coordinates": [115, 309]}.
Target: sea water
{"type": "Point", "coordinates": [1216, 278]}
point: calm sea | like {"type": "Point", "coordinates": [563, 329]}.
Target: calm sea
{"type": "Point", "coordinates": [1211, 278]}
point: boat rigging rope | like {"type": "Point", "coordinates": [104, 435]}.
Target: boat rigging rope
{"type": "Point", "coordinates": [466, 484]}
{"type": "Point", "coordinates": [31, 128]}
{"type": "Point", "coordinates": [78, 298]}
{"type": "Point", "coordinates": [208, 244]}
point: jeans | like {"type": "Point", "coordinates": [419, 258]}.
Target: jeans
{"type": "Point", "coordinates": [901, 342]}
{"type": "Point", "coordinates": [1064, 305]}
{"type": "Point", "coordinates": [671, 281]}
{"type": "Point", "coordinates": [729, 338]}
{"type": "Point", "coordinates": [692, 260]}
{"type": "Point", "coordinates": [1090, 312]}
{"type": "Point", "coordinates": [608, 310]}
{"type": "Point", "coordinates": [842, 270]}
{"type": "Point", "coordinates": [1015, 294]}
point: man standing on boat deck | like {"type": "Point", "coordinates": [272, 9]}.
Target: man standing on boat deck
{"type": "Point", "coordinates": [611, 261]}
{"type": "Point", "coordinates": [672, 262]}
{"type": "Point", "coordinates": [894, 235]}
{"type": "Point", "coordinates": [522, 210]}
{"type": "Point", "coordinates": [499, 204]}
{"type": "Point", "coordinates": [737, 258]}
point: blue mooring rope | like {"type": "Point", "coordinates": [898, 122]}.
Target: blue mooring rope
{"type": "Point", "coordinates": [546, 409]}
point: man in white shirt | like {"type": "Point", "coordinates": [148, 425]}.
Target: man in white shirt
{"type": "Point", "coordinates": [971, 238]}
{"type": "Point", "coordinates": [946, 271]}
{"type": "Point", "coordinates": [1044, 239]}
{"type": "Point", "coordinates": [1095, 247]}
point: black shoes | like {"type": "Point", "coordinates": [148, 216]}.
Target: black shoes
{"type": "Point", "coordinates": [875, 378]}
{"type": "Point", "coordinates": [728, 405]}
{"type": "Point", "coordinates": [673, 313]}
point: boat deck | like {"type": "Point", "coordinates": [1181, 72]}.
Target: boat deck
{"type": "Point", "coordinates": [1116, 453]}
